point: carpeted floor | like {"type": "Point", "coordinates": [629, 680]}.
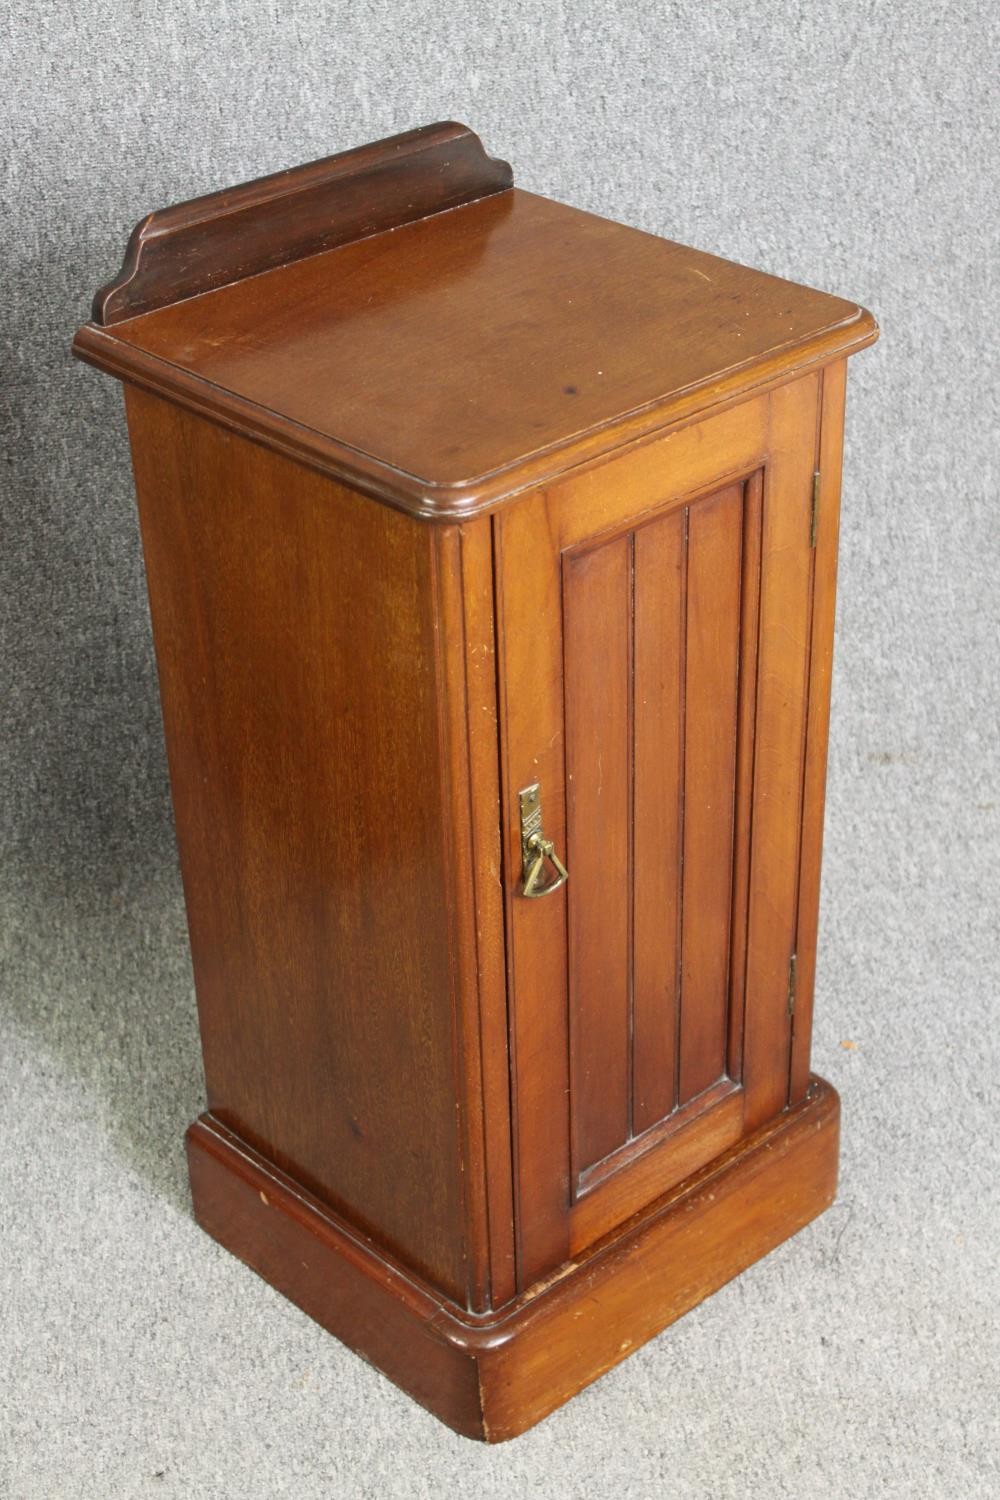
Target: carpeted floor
{"type": "Point", "coordinates": [861, 1359]}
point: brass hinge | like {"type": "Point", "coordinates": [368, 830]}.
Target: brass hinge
{"type": "Point", "coordinates": [793, 963]}
{"type": "Point", "coordinates": [814, 514]}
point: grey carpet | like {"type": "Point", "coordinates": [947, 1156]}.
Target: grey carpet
{"type": "Point", "coordinates": [851, 147]}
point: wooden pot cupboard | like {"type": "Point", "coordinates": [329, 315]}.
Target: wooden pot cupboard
{"type": "Point", "coordinates": [491, 551]}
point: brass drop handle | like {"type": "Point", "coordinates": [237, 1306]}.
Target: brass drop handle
{"type": "Point", "coordinates": [536, 848]}
{"type": "Point", "coordinates": [546, 850]}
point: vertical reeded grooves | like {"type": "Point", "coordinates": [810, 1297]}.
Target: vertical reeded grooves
{"type": "Point", "coordinates": [652, 621]}
{"type": "Point", "coordinates": [711, 711]}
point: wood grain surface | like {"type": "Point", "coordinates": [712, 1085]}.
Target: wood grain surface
{"type": "Point", "coordinates": [195, 247]}
{"type": "Point", "coordinates": [317, 733]}
{"type": "Point", "coordinates": [493, 1377]}
{"type": "Point", "coordinates": [492, 1142]}
{"type": "Point", "coordinates": [509, 339]}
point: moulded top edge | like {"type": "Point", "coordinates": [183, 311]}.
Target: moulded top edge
{"type": "Point", "coordinates": [455, 361]}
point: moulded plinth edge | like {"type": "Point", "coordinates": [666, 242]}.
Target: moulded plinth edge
{"type": "Point", "coordinates": [492, 1376]}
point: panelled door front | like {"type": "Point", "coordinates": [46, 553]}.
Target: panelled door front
{"type": "Point", "coordinates": [654, 624]}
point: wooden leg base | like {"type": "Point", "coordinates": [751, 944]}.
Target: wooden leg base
{"type": "Point", "coordinates": [493, 1376]}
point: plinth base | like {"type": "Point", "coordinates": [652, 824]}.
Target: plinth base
{"type": "Point", "coordinates": [492, 1376]}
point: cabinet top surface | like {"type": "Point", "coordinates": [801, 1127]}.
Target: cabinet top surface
{"type": "Point", "coordinates": [449, 363]}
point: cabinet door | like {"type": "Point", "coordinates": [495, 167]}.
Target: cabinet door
{"type": "Point", "coordinates": [654, 628]}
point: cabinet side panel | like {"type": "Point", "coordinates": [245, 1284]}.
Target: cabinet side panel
{"type": "Point", "coordinates": [294, 630]}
